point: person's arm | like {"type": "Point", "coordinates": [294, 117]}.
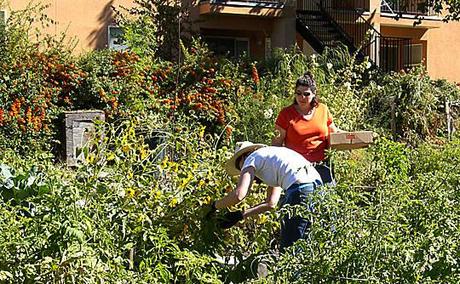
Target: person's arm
{"type": "Point", "coordinates": [334, 129]}
{"type": "Point", "coordinates": [240, 192]}
{"type": "Point", "coordinates": [278, 140]}
{"type": "Point", "coordinates": [273, 196]}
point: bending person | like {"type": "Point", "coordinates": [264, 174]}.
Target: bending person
{"type": "Point", "coordinates": [281, 169]}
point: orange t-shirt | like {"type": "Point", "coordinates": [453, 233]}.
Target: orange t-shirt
{"type": "Point", "coordinates": [307, 137]}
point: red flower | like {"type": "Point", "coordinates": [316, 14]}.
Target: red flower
{"type": "Point", "coordinates": [1, 117]}
{"type": "Point", "coordinates": [255, 74]}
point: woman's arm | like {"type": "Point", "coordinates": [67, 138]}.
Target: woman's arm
{"type": "Point", "coordinates": [240, 192]}
{"type": "Point", "coordinates": [273, 196]}
{"type": "Point", "coordinates": [278, 140]}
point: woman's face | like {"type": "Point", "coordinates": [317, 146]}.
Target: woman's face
{"type": "Point", "coordinates": [304, 96]}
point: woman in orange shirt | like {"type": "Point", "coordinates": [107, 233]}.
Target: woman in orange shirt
{"type": "Point", "coordinates": [305, 126]}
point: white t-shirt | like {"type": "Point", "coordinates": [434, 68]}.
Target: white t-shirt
{"type": "Point", "coordinates": [281, 166]}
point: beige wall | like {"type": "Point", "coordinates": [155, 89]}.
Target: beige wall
{"type": "Point", "coordinates": [87, 20]}
{"type": "Point", "coordinates": [443, 52]}
{"type": "Point", "coordinates": [441, 43]}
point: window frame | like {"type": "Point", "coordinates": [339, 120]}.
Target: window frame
{"type": "Point", "coordinates": [110, 43]}
{"type": "Point", "coordinates": [412, 63]}
{"type": "Point", "coordinates": [235, 39]}
{"type": "Point", "coordinates": [5, 15]}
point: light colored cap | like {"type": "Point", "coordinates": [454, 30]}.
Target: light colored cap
{"type": "Point", "coordinates": [240, 149]}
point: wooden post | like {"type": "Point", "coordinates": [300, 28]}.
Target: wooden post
{"type": "Point", "coordinates": [393, 119]}
{"type": "Point", "coordinates": [448, 119]}
{"type": "Point", "coordinates": [131, 258]}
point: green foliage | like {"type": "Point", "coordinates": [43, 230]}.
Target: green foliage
{"type": "Point", "coordinates": [402, 230]}
{"type": "Point", "coordinates": [154, 28]}
{"type": "Point", "coordinates": [412, 105]}
{"type": "Point", "coordinates": [133, 210]}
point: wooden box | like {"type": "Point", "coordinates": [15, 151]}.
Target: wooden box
{"type": "Point", "coordinates": [79, 127]}
{"type": "Point", "coordinates": [351, 140]}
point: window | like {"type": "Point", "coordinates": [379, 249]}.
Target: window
{"type": "Point", "coordinates": [226, 46]}
{"type": "Point", "coordinates": [413, 54]}
{"type": "Point", "coordinates": [389, 57]}
{"type": "Point", "coordinates": [115, 38]}
{"type": "Point", "coordinates": [2, 17]}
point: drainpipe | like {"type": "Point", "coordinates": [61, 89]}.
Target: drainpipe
{"type": "Point", "coordinates": [374, 17]}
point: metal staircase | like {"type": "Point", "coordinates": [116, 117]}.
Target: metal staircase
{"type": "Point", "coordinates": [326, 23]}
{"type": "Point", "coordinates": [321, 30]}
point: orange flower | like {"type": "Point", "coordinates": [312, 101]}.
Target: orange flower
{"type": "Point", "coordinates": [37, 123]}
{"type": "Point", "coordinates": [228, 131]}
{"type": "Point", "coordinates": [29, 115]}
{"type": "Point", "coordinates": [102, 94]}
{"type": "Point", "coordinates": [113, 103]}
{"type": "Point", "coordinates": [15, 108]}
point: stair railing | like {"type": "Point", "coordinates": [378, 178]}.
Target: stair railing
{"type": "Point", "coordinates": [389, 53]}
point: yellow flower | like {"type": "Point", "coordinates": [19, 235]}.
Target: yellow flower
{"type": "Point", "coordinates": [201, 133]}
{"type": "Point", "coordinates": [131, 132]}
{"type": "Point", "coordinates": [164, 163]}
{"type": "Point", "coordinates": [156, 194]}
{"type": "Point", "coordinates": [201, 183]}
{"type": "Point", "coordinates": [183, 183]}
{"type": "Point", "coordinates": [90, 158]}
{"type": "Point", "coordinates": [130, 192]}
{"type": "Point", "coordinates": [125, 148]}
{"type": "Point", "coordinates": [262, 219]}
{"type": "Point", "coordinates": [175, 167]}
{"type": "Point", "coordinates": [173, 202]}
{"type": "Point", "coordinates": [143, 154]}
{"type": "Point", "coordinates": [141, 217]}
{"type": "Point", "coordinates": [110, 156]}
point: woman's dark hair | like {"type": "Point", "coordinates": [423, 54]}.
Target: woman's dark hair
{"type": "Point", "coordinates": [307, 80]}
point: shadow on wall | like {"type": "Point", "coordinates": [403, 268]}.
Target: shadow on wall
{"type": "Point", "coordinates": [98, 37]}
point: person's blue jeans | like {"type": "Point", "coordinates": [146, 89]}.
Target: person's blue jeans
{"type": "Point", "coordinates": [325, 171]}
{"type": "Point", "coordinates": [294, 227]}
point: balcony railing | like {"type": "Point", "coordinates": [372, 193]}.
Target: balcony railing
{"type": "Point", "coordinates": [408, 7]}
{"type": "Point", "coordinates": [308, 5]}
{"type": "Point", "coordinates": [277, 3]}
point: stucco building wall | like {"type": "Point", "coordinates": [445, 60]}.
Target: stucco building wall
{"type": "Point", "coordinates": [85, 20]}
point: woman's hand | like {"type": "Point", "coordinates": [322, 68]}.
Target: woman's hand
{"type": "Point", "coordinates": [334, 129]}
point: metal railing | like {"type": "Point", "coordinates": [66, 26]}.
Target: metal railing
{"type": "Point", "coordinates": [252, 2]}
{"type": "Point", "coordinates": [312, 5]}
{"type": "Point", "coordinates": [389, 53]}
{"type": "Point", "coordinates": [394, 53]}
{"type": "Point", "coordinates": [410, 7]}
